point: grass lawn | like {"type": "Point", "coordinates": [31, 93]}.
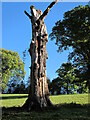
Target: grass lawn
{"type": "Point", "coordinates": [13, 100]}
{"type": "Point", "coordinates": [76, 98]}
{"type": "Point", "coordinates": [70, 107]}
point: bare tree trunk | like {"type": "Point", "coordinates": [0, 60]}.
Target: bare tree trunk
{"type": "Point", "coordinates": [39, 93]}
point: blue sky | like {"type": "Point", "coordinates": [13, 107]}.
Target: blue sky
{"type": "Point", "coordinates": [16, 31]}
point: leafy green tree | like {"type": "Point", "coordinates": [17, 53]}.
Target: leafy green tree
{"type": "Point", "coordinates": [69, 82]}
{"type": "Point", "coordinates": [74, 32]}
{"type": "Point", "coordinates": [12, 67]}
{"type": "Point", "coordinates": [67, 76]}
{"type": "Point", "coordinates": [55, 86]}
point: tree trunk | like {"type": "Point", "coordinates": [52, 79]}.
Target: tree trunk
{"type": "Point", "coordinates": [39, 93]}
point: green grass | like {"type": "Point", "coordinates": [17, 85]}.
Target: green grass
{"type": "Point", "coordinates": [70, 107]}
{"type": "Point", "coordinates": [75, 98]}
{"type": "Point", "coordinates": [10, 100]}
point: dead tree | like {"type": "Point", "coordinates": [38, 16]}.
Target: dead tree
{"type": "Point", "coordinates": [39, 93]}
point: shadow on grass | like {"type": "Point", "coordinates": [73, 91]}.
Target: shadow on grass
{"type": "Point", "coordinates": [60, 112]}
{"type": "Point", "coordinates": [13, 97]}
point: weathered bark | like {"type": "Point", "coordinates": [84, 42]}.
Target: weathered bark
{"type": "Point", "coordinates": [39, 93]}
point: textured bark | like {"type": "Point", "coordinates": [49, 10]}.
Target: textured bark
{"type": "Point", "coordinates": [39, 93]}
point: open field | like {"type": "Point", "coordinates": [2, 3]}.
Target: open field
{"type": "Point", "coordinates": [70, 107]}
{"type": "Point", "coordinates": [11, 100]}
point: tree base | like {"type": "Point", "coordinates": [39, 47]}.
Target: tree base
{"type": "Point", "coordinates": [35, 103]}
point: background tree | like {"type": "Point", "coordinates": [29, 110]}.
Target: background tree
{"type": "Point", "coordinates": [67, 81]}
{"type": "Point", "coordinates": [55, 86]}
{"type": "Point", "coordinates": [12, 67]}
{"type": "Point", "coordinates": [67, 77]}
{"type": "Point", "coordinates": [74, 32]}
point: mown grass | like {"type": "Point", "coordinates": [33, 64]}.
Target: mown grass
{"type": "Point", "coordinates": [11, 100]}
{"type": "Point", "coordinates": [74, 98]}
{"type": "Point", "coordinates": [70, 107]}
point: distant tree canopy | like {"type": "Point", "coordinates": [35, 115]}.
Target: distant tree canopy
{"type": "Point", "coordinates": [74, 32]}
{"type": "Point", "coordinates": [12, 67]}
{"type": "Point", "coordinates": [18, 87]}
{"type": "Point", "coordinates": [67, 81]}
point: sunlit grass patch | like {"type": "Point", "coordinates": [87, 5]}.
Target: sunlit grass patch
{"type": "Point", "coordinates": [74, 98]}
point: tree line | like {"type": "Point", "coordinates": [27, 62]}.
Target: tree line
{"type": "Point", "coordinates": [67, 81]}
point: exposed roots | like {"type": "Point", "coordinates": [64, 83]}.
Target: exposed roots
{"type": "Point", "coordinates": [35, 103]}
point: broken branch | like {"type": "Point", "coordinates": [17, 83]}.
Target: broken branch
{"type": "Point", "coordinates": [28, 15]}
{"type": "Point", "coordinates": [47, 10]}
